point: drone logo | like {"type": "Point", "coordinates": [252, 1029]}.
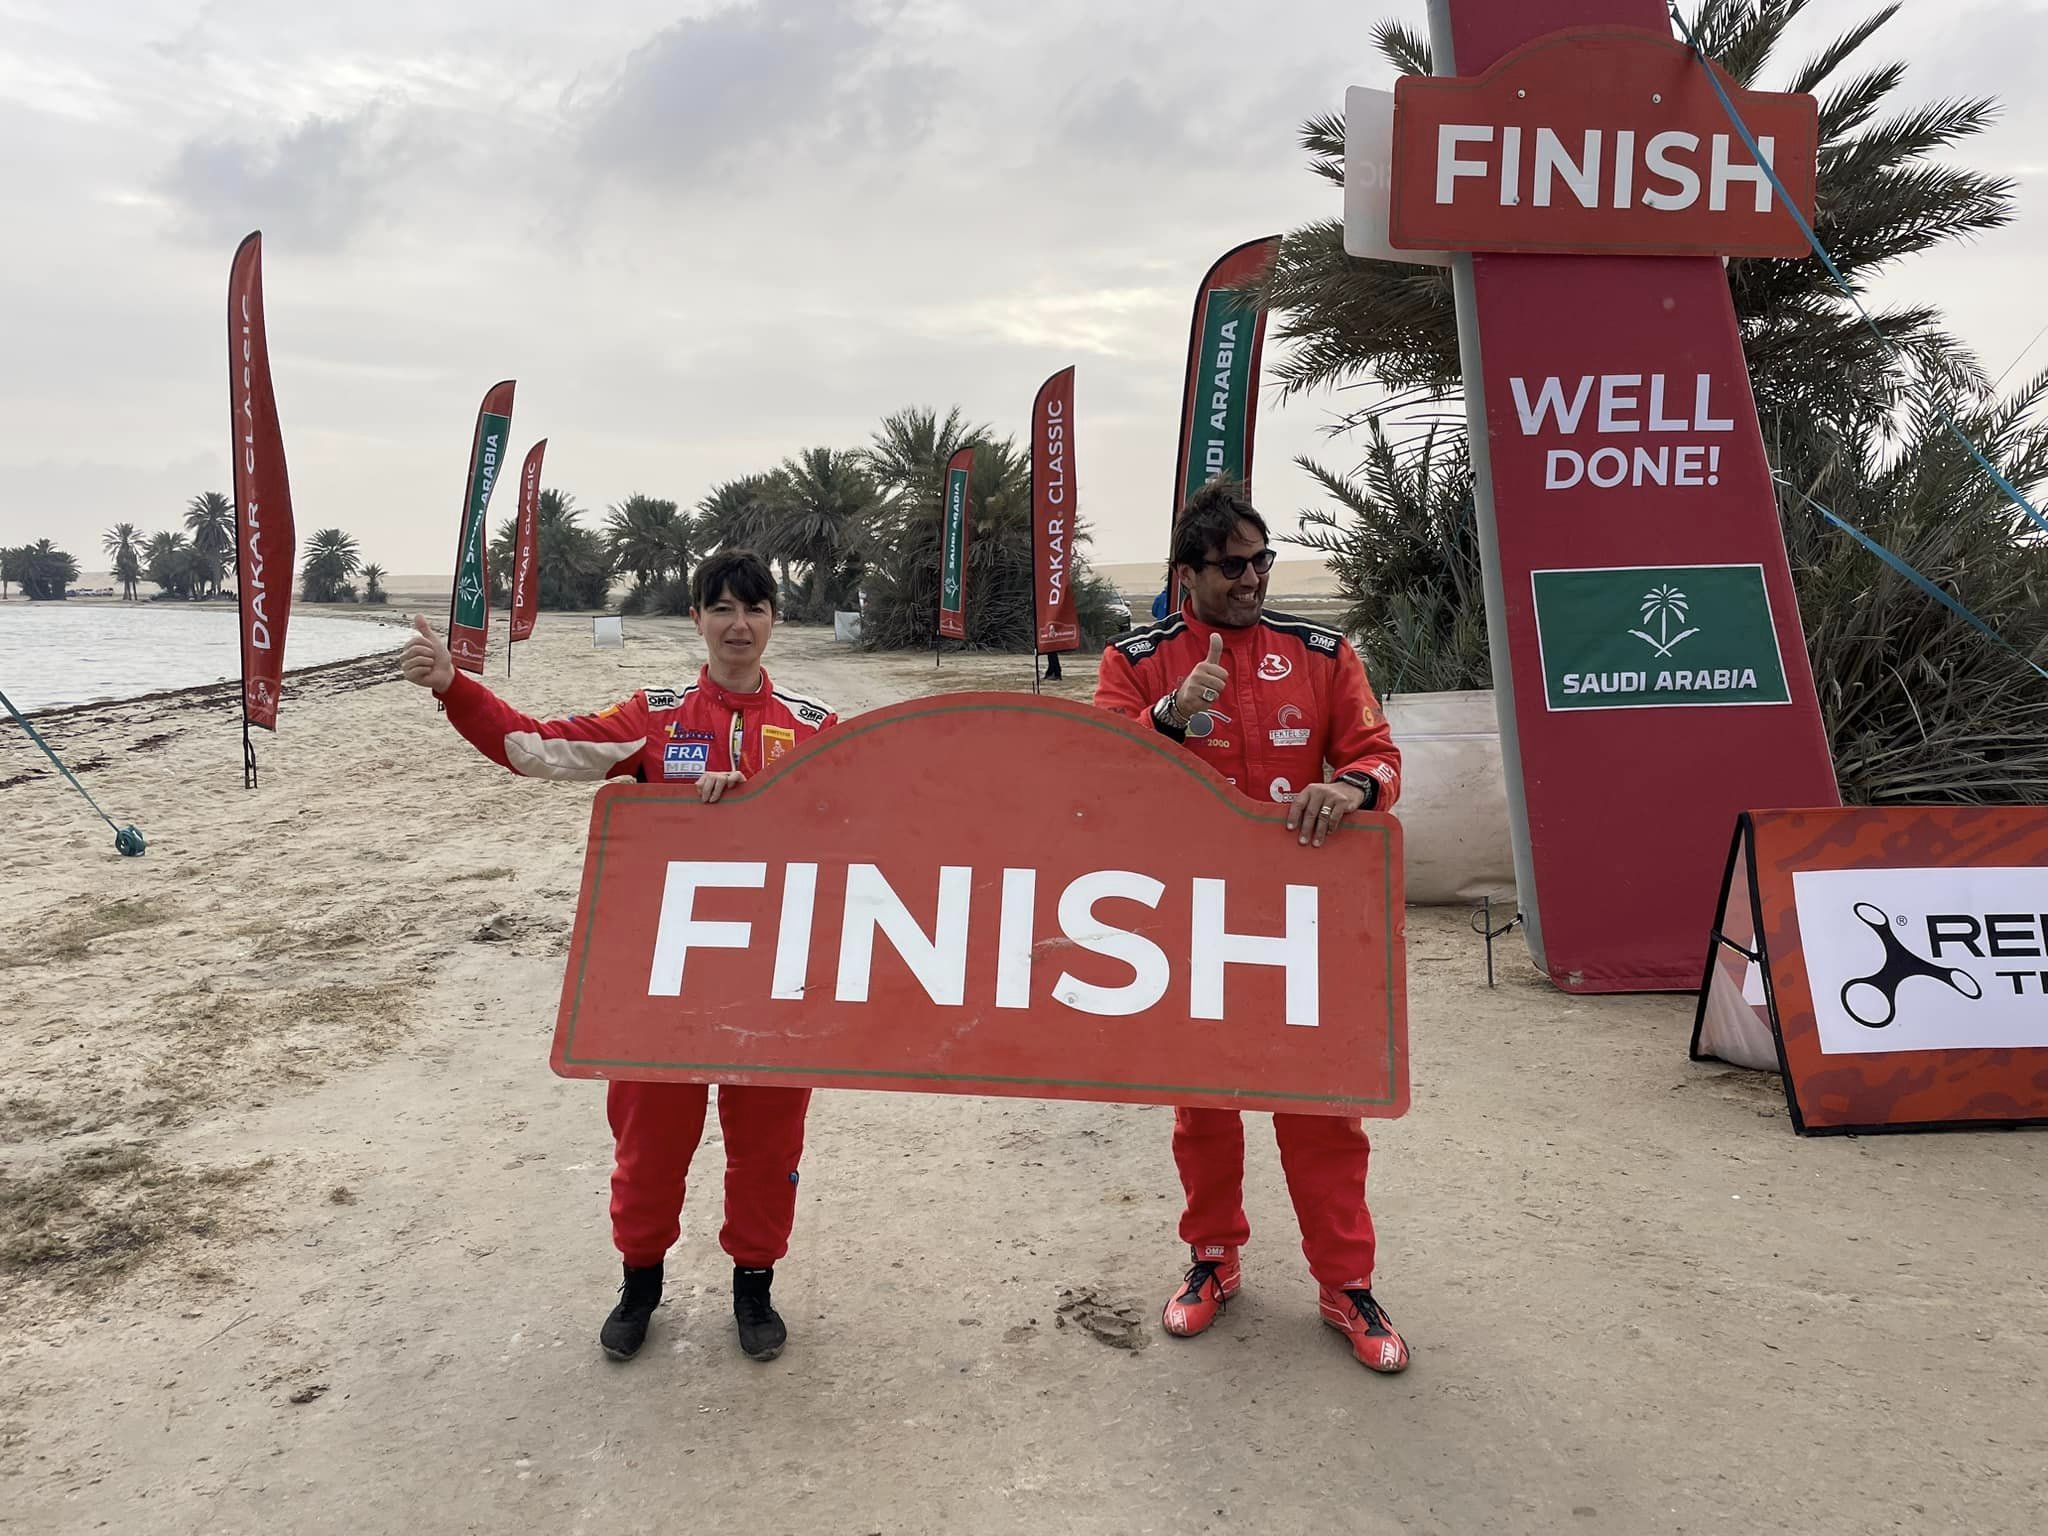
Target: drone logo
{"type": "Point", "coordinates": [1900, 966]}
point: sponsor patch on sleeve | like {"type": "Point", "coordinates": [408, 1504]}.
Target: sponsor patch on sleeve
{"type": "Point", "coordinates": [662, 698]}
{"type": "Point", "coordinates": [1320, 640]}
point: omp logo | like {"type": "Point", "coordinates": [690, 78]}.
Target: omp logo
{"type": "Point", "coordinates": [1873, 1000]}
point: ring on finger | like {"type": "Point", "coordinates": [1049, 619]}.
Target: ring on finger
{"type": "Point", "coordinates": [1208, 695]}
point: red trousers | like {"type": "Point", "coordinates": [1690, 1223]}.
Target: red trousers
{"type": "Point", "coordinates": [1324, 1159]}
{"type": "Point", "coordinates": [656, 1127]}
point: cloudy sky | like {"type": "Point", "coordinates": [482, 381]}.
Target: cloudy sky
{"type": "Point", "coordinates": [704, 235]}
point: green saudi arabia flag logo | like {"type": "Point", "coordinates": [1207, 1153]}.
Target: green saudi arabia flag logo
{"type": "Point", "coordinates": [469, 581]}
{"type": "Point", "coordinates": [1222, 394]}
{"type": "Point", "coordinates": [956, 515]}
{"type": "Point", "coordinates": [1644, 637]}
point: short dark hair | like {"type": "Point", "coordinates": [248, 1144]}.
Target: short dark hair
{"type": "Point", "coordinates": [740, 572]}
{"type": "Point", "coordinates": [1209, 519]}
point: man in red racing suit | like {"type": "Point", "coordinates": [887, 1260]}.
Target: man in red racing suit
{"type": "Point", "coordinates": [1270, 702]}
{"type": "Point", "coordinates": [728, 726]}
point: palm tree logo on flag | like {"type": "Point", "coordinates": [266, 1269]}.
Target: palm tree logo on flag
{"type": "Point", "coordinates": [1663, 606]}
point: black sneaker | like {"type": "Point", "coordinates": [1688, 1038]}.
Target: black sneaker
{"type": "Point", "coordinates": [626, 1329]}
{"type": "Point", "coordinates": [761, 1332]}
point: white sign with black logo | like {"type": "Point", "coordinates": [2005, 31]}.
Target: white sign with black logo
{"type": "Point", "coordinates": [1926, 959]}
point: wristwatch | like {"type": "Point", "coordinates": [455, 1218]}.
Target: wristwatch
{"type": "Point", "coordinates": [1364, 783]}
{"type": "Point", "coordinates": [1168, 719]}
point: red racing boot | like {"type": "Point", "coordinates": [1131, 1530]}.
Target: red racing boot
{"type": "Point", "coordinates": [1212, 1279]}
{"type": "Point", "coordinates": [1370, 1331]}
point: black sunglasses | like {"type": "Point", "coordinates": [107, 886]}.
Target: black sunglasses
{"type": "Point", "coordinates": [1232, 566]}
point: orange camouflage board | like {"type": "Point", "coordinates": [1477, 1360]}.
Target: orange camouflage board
{"type": "Point", "coordinates": [991, 894]}
{"type": "Point", "coordinates": [1899, 957]}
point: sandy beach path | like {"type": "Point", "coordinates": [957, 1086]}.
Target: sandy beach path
{"type": "Point", "coordinates": [299, 1235]}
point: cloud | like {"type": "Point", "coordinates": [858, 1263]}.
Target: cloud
{"type": "Point", "coordinates": [320, 182]}
{"type": "Point", "coordinates": [753, 87]}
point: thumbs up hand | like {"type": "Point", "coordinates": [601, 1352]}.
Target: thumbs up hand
{"type": "Point", "coordinates": [425, 659]}
{"type": "Point", "coordinates": [1203, 686]}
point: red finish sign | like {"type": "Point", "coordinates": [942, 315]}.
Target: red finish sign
{"type": "Point", "coordinates": [1598, 140]}
{"type": "Point", "coordinates": [1649, 661]}
{"type": "Point", "coordinates": [1055, 511]}
{"type": "Point", "coordinates": [1124, 927]}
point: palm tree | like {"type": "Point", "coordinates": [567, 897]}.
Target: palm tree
{"type": "Point", "coordinates": [373, 585]}
{"type": "Point", "coordinates": [1403, 543]}
{"type": "Point", "coordinates": [210, 519]}
{"type": "Point", "coordinates": [47, 571]}
{"type": "Point", "coordinates": [1918, 705]}
{"type": "Point", "coordinates": [649, 538]}
{"type": "Point", "coordinates": [13, 561]}
{"type": "Point", "coordinates": [572, 564]}
{"type": "Point", "coordinates": [736, 514]}
{"type": "Point", "coordinates": [331, 558]}
{"type": "Point", "coordinates": [123, 543]}
{"type": "Point", "coordinates": [824, 521]}
{"type": "Point", "coordinates": [1392, 327]}
{"type": "Point", "coordinates": [165, 561]}
{"type": "Point", "coordinates": [911, 449]}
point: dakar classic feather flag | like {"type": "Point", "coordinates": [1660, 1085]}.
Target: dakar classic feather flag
{"type": "Point", "coordinates": [264, 543]}
{"type": "Point", "coordinates": [1055, 510]}
{"type": "Point", "coordinates": [525, 578]}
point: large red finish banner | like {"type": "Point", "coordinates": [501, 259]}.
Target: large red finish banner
{"type": "Point", "coordinates": [1648, 656]}
{"type": "Point", "coordinates": [1055, 510]}
{"type": "Point", "coordinates": [1128, 928]}
{"type": "Point", "coordinates": [265, 545]}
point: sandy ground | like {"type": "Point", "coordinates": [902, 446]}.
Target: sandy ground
{"type": "Point", "coordinates": [298, 1234]}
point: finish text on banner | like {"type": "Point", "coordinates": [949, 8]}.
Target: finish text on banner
{"type": "Point", "coordinates": [1127, 929]}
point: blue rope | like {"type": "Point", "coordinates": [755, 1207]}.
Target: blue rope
{"type": "Point", "coordinates": [127, 841]}
{"type": "Point", "coordinates": [1905, 569]}
{"type": "Point", "coordinates": [1785, 198]}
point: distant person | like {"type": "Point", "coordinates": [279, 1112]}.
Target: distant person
{"type": "Point", "coordinates": [1162, 603]}
{"type": "Point", "coordinates": [1281, 708]}
{"type": "Point", "coordinates": [729, 725]}
{"type": "Point", "coordinates": [1052, 666]}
